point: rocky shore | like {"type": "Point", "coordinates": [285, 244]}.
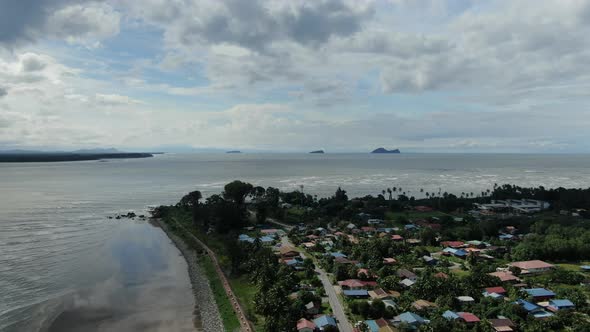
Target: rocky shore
{"type": "Point", "coordinates": [207, 317]}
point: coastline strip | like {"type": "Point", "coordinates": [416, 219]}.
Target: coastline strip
{"type": "Point", "coordinates": [206, 314]}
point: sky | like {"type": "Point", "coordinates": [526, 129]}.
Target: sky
{"type": "Point", "coordinates": [292, 76]}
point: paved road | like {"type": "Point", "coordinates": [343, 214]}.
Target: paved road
{"type": "Point", "coordinates": [337, 309]}
{"type": "Point", "coordinates": [343, 324]}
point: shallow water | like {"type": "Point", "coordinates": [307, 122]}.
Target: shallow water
{"type": "Point", "coordinates": [60, 252]}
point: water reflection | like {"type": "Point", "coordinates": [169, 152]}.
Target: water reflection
{"type": "Point", "coordinates": [147, 288]}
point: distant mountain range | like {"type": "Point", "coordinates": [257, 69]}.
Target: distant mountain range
{"type": "Point", "coordinates": [384, 150]}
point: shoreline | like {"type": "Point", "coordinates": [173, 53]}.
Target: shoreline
{"type": "Point", "coordinates": [206, 316]}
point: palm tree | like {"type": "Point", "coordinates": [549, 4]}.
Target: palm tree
{"type": "Point", "coordinates": [383, 192]}
{"type": "Point", "coordinates": [389, 192]}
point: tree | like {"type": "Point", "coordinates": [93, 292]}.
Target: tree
{"type": "Point", "coordinates": [191, 199]}
{"type": "Point", "coordinates": [237, 191]}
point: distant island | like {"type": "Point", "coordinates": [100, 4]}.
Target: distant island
{"type": "Point", "coordinates": [317, 151]}
{"type": "Point", "coordinates": [383, 150]}
{"type": "Point", "coordinates": [24, 156]}
{"type": "Point", "coordinates": [234, 151]}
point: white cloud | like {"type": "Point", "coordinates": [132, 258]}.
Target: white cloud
{"type": "Point", "coordinates": [84, 24]}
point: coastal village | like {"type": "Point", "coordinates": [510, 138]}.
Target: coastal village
{"type": "Point", "coordinates": [507, 259]}
{"type": "Point", "coordinates": [374, 294]}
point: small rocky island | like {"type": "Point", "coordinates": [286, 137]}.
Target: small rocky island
{"type": "Point", "coordinates": [384, 150]}
{"type": "Point", "coordinates": [234, 151]}
{"type": "Point", "coordinates": [318, 151]}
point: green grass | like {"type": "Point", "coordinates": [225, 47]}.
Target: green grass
{"type": "Point", "coordinates": [573, 267]}
{"type": "Point", "coordinates": [230, 321]}
{"type": "Point", "coordinates": [459, 272]}
{"type": "Point", "coordinates": [245, 291]}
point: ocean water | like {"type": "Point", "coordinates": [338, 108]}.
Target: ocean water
{"type": "Point", "coordinates": [59, 251]}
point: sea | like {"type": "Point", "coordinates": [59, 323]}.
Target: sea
{"type": "Point", "coordinates": [63, 261]}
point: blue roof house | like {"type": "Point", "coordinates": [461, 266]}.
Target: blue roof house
{"type": "Point", "coordinates": [561, 304]}
{"type": "Point", "coordinates": [372, 324]}
{"type": "Point", "coordinates": [540, 294]}
{"type": "Point", "coordinates": [410, 318]}
{"type": "Point", "coordinates": [450, 315]}
{"type": "Point", "coordinates": [323, 321]}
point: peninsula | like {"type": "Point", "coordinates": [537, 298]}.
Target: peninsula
{"type": "Point", "coordinates": [34, 156]}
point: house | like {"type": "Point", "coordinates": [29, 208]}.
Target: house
{"type": "Point", "coordinates": [387, 328]}
{"type": "Point", "coordinates": [477, 244]}
{"type": "Point", "coordinates": [502, 324]}
{"type": "Point", "coordinates": [494, 290]}
{"type": "Point", "coordinates": [556, 305]}
{"type": "Point", "coordinates": [389, 303]}
{"type": "Point", "coordinates": [533, 309]}
{"type": "Point", "coordinates": [403, 273]}
{"type": "Point", "coordinates": [372, 324]}
{"type": "Point", "coordinates": [304, 325]}
{"type": "Point", "coordinates": [397, 237]}
{"type": "Point", "coordinates": [465, 299]}
{"type": "Point", "coordinates": [410, 227]}
{"type": "Point", "coordinates": [450, 315]}
{"type": "Point", "coordinates": [378, 294]}
{"type": "Point", "coordinates": [407, 283]}
{"type": "Point", "coordinates": [505, 276]}
{"type": "Point", "coordinates": [423, 305]}
{"type": "Point", "coordinates": [452, 244]}
{"type": "Point", "coordinates": [410, 318]}
{"type": "Point", "coordinates": [271, 231]}
{"type": "Point", "coordinates": [312, 308]}
{"type": "Point", "coordinates": [368, 229]}
{"type": "Point", "coordinates": [429, 260]}
{"type": "Point", "coordinates": [534, 266]}
{"type": "Point", "coordinates": [245, 238]}
{"type": "Point", "coordinates": [338, 255]}
{"type": "Point", "coordinates": [356, 293]}
{"type": "Point", "coordinates": [540, 294]}
{"type": "Point", "coordinates": [356, 284]}
{"type": "Point", "coordinates": [468, 317]}
{"type": "Point", "coordinates": [288, 251]}
{"type": "Point", "coordinates": [322, 321]}
{"type": "Point", "coordinates": [351, 226]}
{"type": "Point", "coordinates": [506, 237]}
{"type": "Point", "coordinates": [267, 239]}
{"type": "Point", "coordinates": [389, 261]}
{"type": "Point", "coordinates": [374, 221]}
{"type": "Point", "coordinates": [455, 252]}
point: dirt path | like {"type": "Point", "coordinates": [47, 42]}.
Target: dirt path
{"type": "Point", "coordinates": [246, 326]}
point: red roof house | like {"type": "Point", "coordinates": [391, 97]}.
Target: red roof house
{"type": "Point", "coordinates": [304, 325]}
{"type": "Point", "coordinates": [468, 317]}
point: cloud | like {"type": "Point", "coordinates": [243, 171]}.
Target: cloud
{"type": "Point", "coordinates": [78, 21]}
{"type": "Point", "coordinates": [252, 24]}
{"type": "Point", "coordinates": [115, 100]}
